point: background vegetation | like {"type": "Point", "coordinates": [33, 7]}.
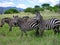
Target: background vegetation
{"type": "Point", "coordinates": [14, 37]}
{"type": "Point", "coordinates": [43, 7]}
{"type": "Point", "coordinates": [11, 11]}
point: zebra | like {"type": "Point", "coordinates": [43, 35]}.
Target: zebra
{"type": "Point", "coordinates": [28, 25]}
{"type": "Point", "coordinates": [40, 22]}
{"type": "Point", "coordinates": [52, 23]}
{"type": "Point", "coordinates": [9, 21]}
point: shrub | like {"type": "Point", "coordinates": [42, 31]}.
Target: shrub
{"type": "Point", "coordinates": [11, 11]}
{"type": "Point", "coordinates": [30, 10]}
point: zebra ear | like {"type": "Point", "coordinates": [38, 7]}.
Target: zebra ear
{"type": "Point", "coordinates": [13, 15]}
{"type": "Point", "coordinates": [37, 12]}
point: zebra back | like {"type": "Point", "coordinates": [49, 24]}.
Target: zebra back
{"type": "Point", "coordinates": [51, 23]}
{"type": "Point", "coordinates": [32, 23]}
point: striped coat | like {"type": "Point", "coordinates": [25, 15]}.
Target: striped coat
{"type": "Point", "coordinates": [28, 25]}
{"type": "Point", "coordinates": [53, 23]}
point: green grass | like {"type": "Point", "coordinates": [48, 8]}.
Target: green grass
{"type": "Point", "coordinates": [14, 37]}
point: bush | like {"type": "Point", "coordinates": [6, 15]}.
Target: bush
{"type": "Point", "coordinates": [55, 9]}
{"type": "Point", "coordinates": [37, 7]}
{"type": "Point", "coordinates": [11, 11]}
{"type": "Point", "coordinates": [30, 10]}
{"type": "Point", "coordinates": [41, 9]}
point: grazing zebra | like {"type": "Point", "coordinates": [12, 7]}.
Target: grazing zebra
{"type": "Point", "coordinates": [9, 21]}
{"type": "Point", "coordinates": [54, 24]}
{"type": "Point", "coordinates": [28, 25]}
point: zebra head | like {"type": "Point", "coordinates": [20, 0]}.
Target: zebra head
{"type": "Point", "coordinates": [38, 17]}
{"type": "Point", "coordinates": [15, 20]}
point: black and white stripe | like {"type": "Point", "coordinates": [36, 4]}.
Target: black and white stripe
{"type": "Point", "coordinates": [51, 23]}
{"type": "Point", "coordinates": [55, 21]}
{"type": "Point", "coordinates": [33, 24]}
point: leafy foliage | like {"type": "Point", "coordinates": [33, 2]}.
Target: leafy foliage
{"type": "Point", "coordinates": [32, 10]}
{"type": "Point", "coordinates": [45, 6]}
{"type": "Point", "coordinates": [37, 6]}
{"type": "Point", "coordinates": [11, 11]}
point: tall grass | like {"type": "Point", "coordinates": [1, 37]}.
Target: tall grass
{"type": "Point", "coordinates": [14, 37]}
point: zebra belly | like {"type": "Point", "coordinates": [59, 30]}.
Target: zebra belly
{"type": "Point", "coordinates": [28, 27]}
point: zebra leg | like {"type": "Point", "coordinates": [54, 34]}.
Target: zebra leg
{"type": "Point", "coordinates": [24, 32]}
{"type": "Point", "coordinates": [10, 29]}
{"type": "Point", "coordinates": [41, 31]}
{"type": "Point", "coordinates": [58, 30]}
{"type": "Point", "coordinates": [37, 31]}
{"type": "Point", "coordinates": [55, 30]}
{"type": "Point", "coordinates": [21, 33]}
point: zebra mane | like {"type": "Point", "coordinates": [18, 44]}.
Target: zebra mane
{"type": "Point", "coordinates": [37, 12]}
{"type": "Point", "coordinates": [39, 17]}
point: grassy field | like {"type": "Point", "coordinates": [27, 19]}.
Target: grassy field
{"type": "Point", "coordinates": [14, 37]}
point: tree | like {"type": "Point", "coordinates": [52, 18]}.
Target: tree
{"type": "Point", "coordinates": [31, 10]}
{"type": "Point", "coordinates": [37, 6]}
{"type": "Point", "coordinates": [57, 8]}
{"type": "Point", "coordinates": [28, 9]}
{"type": "Point", "coordinates": [46, 6]}
{"type": "Point", "coordinates": [11, 11]}
{"type": "Point", "coordinates": [57, 5]}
